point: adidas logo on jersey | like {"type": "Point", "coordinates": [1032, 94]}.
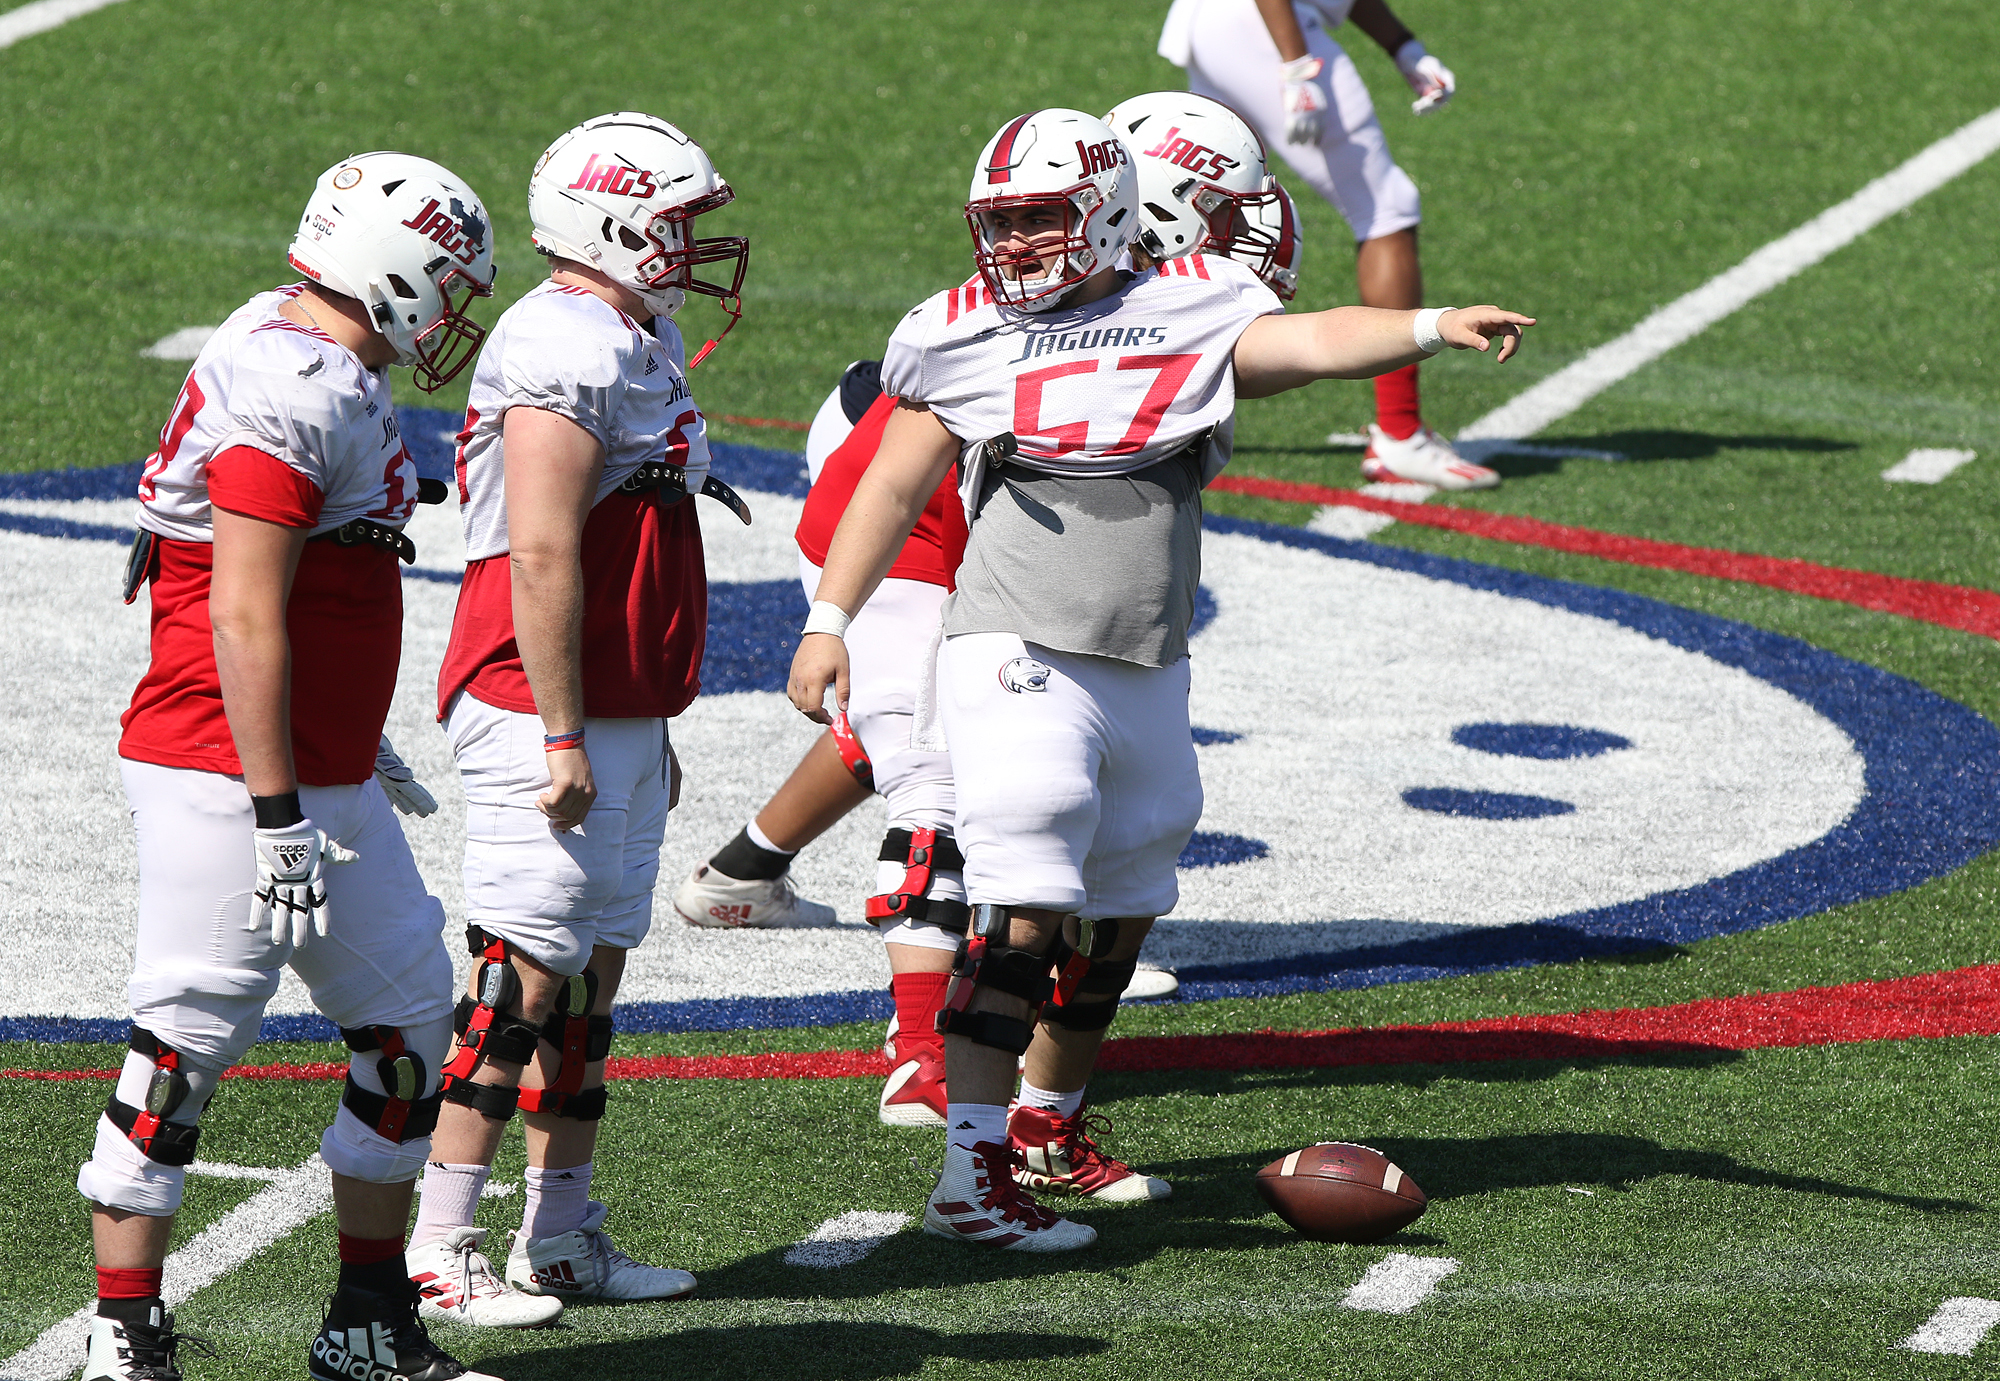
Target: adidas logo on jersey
{"type": "Point", "coordinates": [351, 1354]}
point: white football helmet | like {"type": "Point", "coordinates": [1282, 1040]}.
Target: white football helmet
{"type": "Point", "coordinates": [620, 194]}
{"type": "Point", "coordinates": [1204, 186]}
{"type": "Point", "coordinates": [1052, 158]}
{"type": "Point", "coordinates": [400, 235]}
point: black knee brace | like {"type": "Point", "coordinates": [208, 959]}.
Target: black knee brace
{"type": "Point", "coordinates": [986, 962]}
{"type": "Point", "coordinates": [582, 1039]}
{"type": "Point", "coordinates": [403, 1113]}
{"type": "Point", "coordinates": [1094, 1001]}
{"type": "Point", "coordinates": [489, 1028]}
{"type": "Point", "coordinates": [922, 853]}
{"type": "Point", "coordinates": [160, 1141]}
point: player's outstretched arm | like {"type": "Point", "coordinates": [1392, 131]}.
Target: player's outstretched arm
{"type": "Point", "coordinates": [1276, 353]}
{"type": "Point", "coordinates": [911, 462]}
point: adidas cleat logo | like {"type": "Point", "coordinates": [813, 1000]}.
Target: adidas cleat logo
{"type": "Point", "coordinates": [355, 1355]}
{"type": "Point", "coordinates": [556, 1277]}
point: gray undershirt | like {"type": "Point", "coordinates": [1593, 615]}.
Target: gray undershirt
{"type": "Point", "coordinates": [1104, 565]}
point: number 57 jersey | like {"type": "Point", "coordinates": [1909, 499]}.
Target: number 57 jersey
{"type": "Point", "coordinates": [1104, 389]}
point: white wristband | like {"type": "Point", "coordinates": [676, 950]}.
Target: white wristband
{"type": "Point", "coordinates": [1425, 329]}
{"type": "Point", "coordinates": [827, 617]}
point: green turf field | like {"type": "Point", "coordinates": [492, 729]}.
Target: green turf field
{"type": "Point", "coordinates": [1778, 1213]}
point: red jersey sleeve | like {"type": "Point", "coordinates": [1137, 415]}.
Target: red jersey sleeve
{"type": "Point", "coordinates": [257, 484]}
{"type": "Point", "coordinates": [935, 546]}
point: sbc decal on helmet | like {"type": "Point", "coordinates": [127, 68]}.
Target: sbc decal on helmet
{"type": "Point", "coordinates": [1060, 161]}
{"type": "Point", "coordinates": [1205, 188]}
{"type": "Point", "coordinates": [620, 194]}
{"type": "Point", "coordinates": [402, 236]}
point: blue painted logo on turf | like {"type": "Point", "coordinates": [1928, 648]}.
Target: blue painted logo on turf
{"type": "Point", "coordinates": [1413, 766]}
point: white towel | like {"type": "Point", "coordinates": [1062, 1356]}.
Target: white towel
{"type": "Point", "coordinates": [927, 725]}
{"type": "Point", "coordinates": [1177, 35]}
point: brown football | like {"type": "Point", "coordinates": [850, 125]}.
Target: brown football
{"type": "Point", "coordinates": [1340, 1192]}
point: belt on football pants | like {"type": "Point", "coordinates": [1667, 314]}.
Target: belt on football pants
{"type": "Point", "coordinates": [668, 482]}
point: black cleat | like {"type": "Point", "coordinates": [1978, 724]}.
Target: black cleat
{"type": "Point", "coordinates": [378, 1337]}
{"type": "Point", "coordinates": [127, 1351]}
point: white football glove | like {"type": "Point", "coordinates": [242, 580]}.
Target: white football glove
{"type": "Point", "coordinates": [1305, 103]}
{"type": "Point", "coordinates": [400, 784]}
{"type": "Point", "coordinates": [291, 880]}
{"type": "Point", "coordinates": [1430, 79]}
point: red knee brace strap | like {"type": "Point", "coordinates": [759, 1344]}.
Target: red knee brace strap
{"type": "Point", "coordinates": [167, 1143]}
{"type": "Point", "coordinates": [582, 1039]}
{"type": "Point", "coordinates": [489, 1027]}
{"type": "Point", "coordinates": [848, 744]}
{"type": "Point", "coordinates": [402, 1114]}
{"type": "Point", "coordinates": [1093, 940]}
{"type": "Point", "coordinates": [922, 853]}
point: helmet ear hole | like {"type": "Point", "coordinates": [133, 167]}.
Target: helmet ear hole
{"type": "Point", "coordinates": [630, 240]}
{"type": "Point", "coordinates": [402, 289]}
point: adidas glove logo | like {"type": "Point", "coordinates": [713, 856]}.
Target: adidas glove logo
{"type": "Point", "coordinates": [291, 855]}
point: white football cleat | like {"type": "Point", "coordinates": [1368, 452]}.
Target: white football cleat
{"type": "Point", "coordinates": [1151, 981]}
{"type": "Point", "coordinates": [582, 1264]}
{"type": "Point", "coordinates": [718, 901]}
{"type": "Point", "coordinates": [455, 1282]}
{"type": "Point", "coordinates": [1423, 457]}
{"type": "Point", "coordinates": [136, 1351]}
{"type": "Point", "coordinates": [977, 1201]}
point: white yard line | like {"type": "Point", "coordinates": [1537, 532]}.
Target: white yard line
{"type": "Point", "coordinates": [184, 344]}
{"type": "Point", "coordinates": [845, 1240]}
{"type": "Point", "coordinates": [1927, 465]}
{"type": "Point", "coordinates": [1958, 1327]}
{"type": "Point", "coordinates": [1398, 1283]}
{"type": "Point", "coordinates": [1569, 388]}
{"type": "Point", "coordinates": [292, 1199]}
{"type": "Point", "coordinates": [43, 15]}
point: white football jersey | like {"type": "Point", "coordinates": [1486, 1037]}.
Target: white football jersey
{"type": "Point", "coordinates": [292, 392]}
{"type": "Point", "coordinates": [1103, 389]}
{"type": "Point", "coordinates": [1177, 34]}
{"type": "Point", "coordinates": [574, 354]}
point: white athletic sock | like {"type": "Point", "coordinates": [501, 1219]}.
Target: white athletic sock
{"type": "Point", "coordinates": [558, 1199]}
{"type": "Point", "coordinates": [1061, 1104]}
{"type": "Point", "coordinates": [450, 1197]}
{"type": "Point", "coordinates": [972, 1123]}
{"type": "Point", "coordinates": [763, 840]}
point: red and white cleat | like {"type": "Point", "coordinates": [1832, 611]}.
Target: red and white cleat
{"type": "Point", "coordinates": [914, 1095]}
{"type": "Point", "coordinates": [456, 1282]}
{"type": "Point", "coordinates": [977, 1201]}
{"type": "Point", "coordinates": [1423, 457]}
{"type": "Point", "coordinates": [1059, 1155]}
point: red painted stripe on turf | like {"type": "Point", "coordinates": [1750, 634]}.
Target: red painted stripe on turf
{"type": "Point", "coordinates": [1951, 606]}
{"type": "Point", "coordinates": [1958, 1002]}
{"type": "Point", "coordinates": [764, 422]}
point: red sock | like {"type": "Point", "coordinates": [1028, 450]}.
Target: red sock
{"type": "Point", "coordinates": [1396, 403]}
{"type": "Point", "coordinates": [918, 998]}
{"type": "Point", "coordinates": [369, 1251]}
{"type": "Point", "coordinates": [128, 1283]}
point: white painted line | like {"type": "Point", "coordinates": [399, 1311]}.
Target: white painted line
{"type": "Point", "coordinates": [220, 1171]}
{"type": "Point", "coordinates": [1399, 1283]}
{"type": "Point", "coordinates": [40, 17]}
{"type": "Point", "coordinates": [1927, 465]}
{"type": "Point", "coordinates": [265, 1217]}
{"type": "Point", "coordinates": [1403, 491]}
{"type": "Point", "coordinates": [1587, 1193]}
{"type": "Point", "coordinates": [184, 344]}
{"type": "Point", "coordinates": [1958, 1327]}
{"type": "Point", "coordinates": [845, 1240]}
{"type": "Point", "coordinates": [1348, 524]}
{"type": "Point", "coordinates": [1347, 438]}
{"type": "Point", "coordinates": [1569, 388]}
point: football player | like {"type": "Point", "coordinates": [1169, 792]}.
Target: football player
{"type": "Point", "coordinates": [1275, 63]}
{"type": "Point", "coordinates": [1088, 405]}
{"type": "Point", "coordinates": [253, 759]}
{"type": "Point", "coordinates": [578, 634]}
